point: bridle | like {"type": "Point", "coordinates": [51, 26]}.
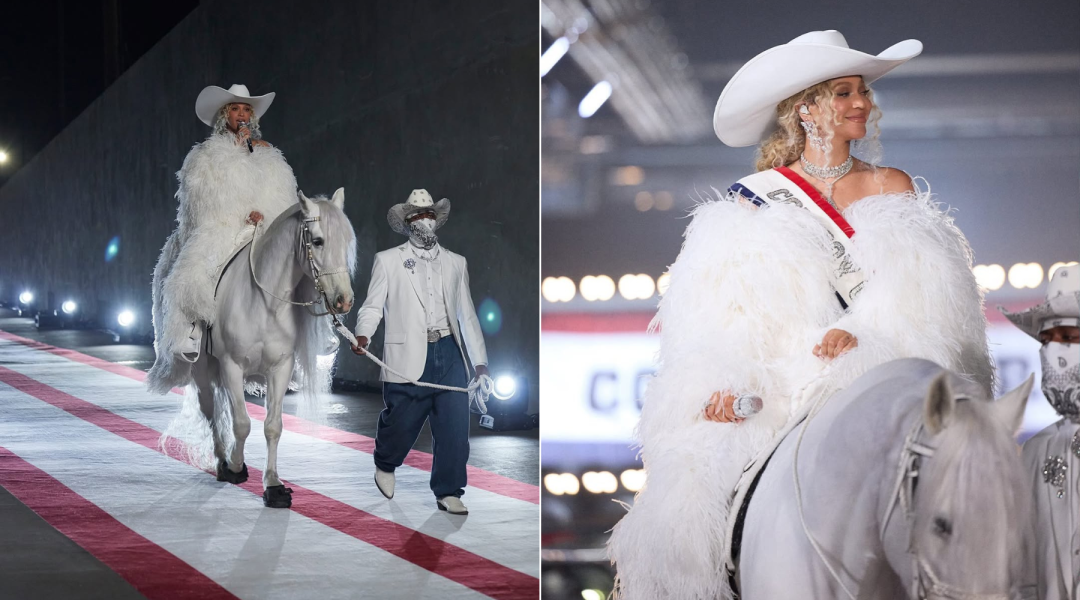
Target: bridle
{"type": "Point", "coordinates": [306, 250]}
{"type": "Point", "coordinates": [925, 581]}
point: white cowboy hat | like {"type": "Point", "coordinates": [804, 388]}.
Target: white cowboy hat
{"type": "Point", "coordinates": [212, 98]}
{"type": "Point", "coordinates": [746, 111]}
{"type": "Point", "coordinates": [419, 201]}
{"type": "Point", "coordinates": [1062, 305]}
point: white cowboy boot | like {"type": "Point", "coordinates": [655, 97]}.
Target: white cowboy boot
{"type": "Point", "coordinates": [384, 480]}
{"type": "Point", "coordinates": [192, 346]}
{"type": "Point", "coordinates": [452, 505]}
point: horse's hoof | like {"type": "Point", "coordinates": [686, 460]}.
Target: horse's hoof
{"type": "Point", "coordinates": [226, 475]}
{"type": "Point", "coordinates": [277, 496]}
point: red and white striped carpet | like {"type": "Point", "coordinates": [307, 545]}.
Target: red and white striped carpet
{"type": "Point", "coordinates": [79, 446]}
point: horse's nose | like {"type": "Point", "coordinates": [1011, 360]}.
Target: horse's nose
{"type": "Point", "coordinates": [343, 303]}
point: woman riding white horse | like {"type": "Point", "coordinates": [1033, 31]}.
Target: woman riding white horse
{"type": "Point", "coordinates": [229, 182]}
{"type": "Point", "coordinates": [804, 276]}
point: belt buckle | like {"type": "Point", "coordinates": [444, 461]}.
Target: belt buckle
{"type": "Point", "coordinates": [433, 335]}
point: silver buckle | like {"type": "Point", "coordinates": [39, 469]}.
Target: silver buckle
{"type": "Point", "coordinates": [433, 335]}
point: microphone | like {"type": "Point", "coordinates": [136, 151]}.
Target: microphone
{"type": "Point", "coordinates": [747, 406]}
{"type": "Point", "coordinates": [251, 149]}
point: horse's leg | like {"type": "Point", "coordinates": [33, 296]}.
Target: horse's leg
{"type": "Point", "coordinates": [275, 494]}
{"type": "Point", "coordinates": [231, 377]}
{"type": "Point", "coordinates": [201, 373]}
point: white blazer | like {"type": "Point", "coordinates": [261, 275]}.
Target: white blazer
{"type": "Point", "coordinates": [1056, 520]}
{"type": "Point", "coordinates": [395, 294]}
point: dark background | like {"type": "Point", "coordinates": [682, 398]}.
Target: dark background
{"type": "Point", "coordinates": [379, 98]}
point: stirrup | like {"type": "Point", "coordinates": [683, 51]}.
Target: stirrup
{"type": "Point", "coordinates": [191, 348]}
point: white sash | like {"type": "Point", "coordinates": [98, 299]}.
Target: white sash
{"type": "Point", "coordinates": [782, 186]}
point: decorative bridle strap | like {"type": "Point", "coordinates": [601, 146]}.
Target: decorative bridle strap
{"type": "Point", "coordinates": [304, 235]}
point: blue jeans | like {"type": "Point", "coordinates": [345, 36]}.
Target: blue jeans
{"type": "Point", "coordinates": [407, 406]}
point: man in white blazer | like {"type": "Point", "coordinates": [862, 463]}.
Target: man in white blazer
{"type": "Point", "coordinates": [1052, 456]}
{"type": "Point", "coordinates": [422, 291]}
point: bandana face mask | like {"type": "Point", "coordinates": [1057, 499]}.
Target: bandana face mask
{"type": "Point", "coordinates": [422, 233]}
{"type": "Point", "coordinates": [1061, 378]}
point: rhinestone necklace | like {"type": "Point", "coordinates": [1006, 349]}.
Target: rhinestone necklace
{"type": "Point", "coordinates": [826, 172]}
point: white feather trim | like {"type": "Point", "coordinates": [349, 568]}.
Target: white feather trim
{"type": "Point", "coordinates": [749, 298]}
{"type": "Point", "coordinates": [220, 184]}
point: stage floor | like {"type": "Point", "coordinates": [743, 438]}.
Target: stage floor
{"type": "Point", "coordinates": [91, 507]}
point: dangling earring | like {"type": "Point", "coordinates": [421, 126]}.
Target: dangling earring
{"type": "Point", "coordinates": [812, 136]}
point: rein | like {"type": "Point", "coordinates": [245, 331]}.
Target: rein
{"type": "Point", "coordinates": [480, 388]}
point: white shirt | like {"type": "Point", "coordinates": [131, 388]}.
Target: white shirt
{"type": "Point", "coordinates": [429, 271]}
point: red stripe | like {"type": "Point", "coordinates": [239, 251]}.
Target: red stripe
{"type": "Point", "coordinates": [619, 322]}
{"type": "Point", "coordinates": [476, 572]}
{"type": "Point", "coordinates": [818, 199]}
{"type": "Point", "coordinates": [149, 568]}
{"type": "Point", "coordinates": [478, 478]}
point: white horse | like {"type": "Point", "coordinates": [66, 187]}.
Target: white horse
{"type": "Point", "coordinates": [308, 253]}
{"type": "Point", "coordinates": [910, 486]}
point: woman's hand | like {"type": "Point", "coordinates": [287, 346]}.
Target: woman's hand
{"type": "Point", "coordinates": [721, 408]}
{"type": "Point", "coordinates": [835, 343]}
{"type": "Point", "coordinates": [254, 217]}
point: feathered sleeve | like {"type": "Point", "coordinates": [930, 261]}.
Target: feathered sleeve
{"type": "Point", "coordinates": [920, 299]}
{"type": "Point", "coordinates": [749, 292]}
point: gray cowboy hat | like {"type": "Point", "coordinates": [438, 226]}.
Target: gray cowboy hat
{"type": "Point", "coordinates": [1062, 305]}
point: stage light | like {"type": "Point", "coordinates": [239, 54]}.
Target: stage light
{"type": "Point", "coordinates": [551, 56]}
{"type": "Point", "coordinates": [663, 282]}
{"type": "Point", "coordinates": [592, 595]}
{"type": "Point", "coordinates": [26, 298]}
{"type": "Point", "coordinates": [664, 201]}
{"type": "Point", "coordinates": [558, 289]}
{"type": "Point", "coordinates": [643, 201]}
{"type": "Point", "coordinates": [505, 386]}
{"type": "Point", "coordinates": [627, 176]}
{"type": "Point", "coordinates": [602, 482]}
{"type": "Point", "coordinates": [125, 318]}
{"type": "Point", "coordinates": [594, 99]}
{"type": "Point", "coordinates": [1029, 275]}
{"type": "Point", "coordinates": [1056, 266]}
{"type": "Point", "coordinates": [989, 277]}
{"type": "Point", "coordinates": [558, 484]}
{"type": "Point", "coordinates": [600, 287]}
{"type": "Point", "coordinates": [636, 287]}
{"type": "Point", "coordinates": [69, 307]}
{"type": "Point", "coordinates": [3, 157]}
{"type": "Point", "coordinates": [633, 479]}
{"type": "Point", "coordinates": [112, 249]}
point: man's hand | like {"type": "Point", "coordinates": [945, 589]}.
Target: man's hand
{"type": "Point", "coordinates": [482, 370]}
{"type": "Point", "coordinates": [361, 345]}
{"type": "Point", "coordinates": [835, 343]}
{"type": "Point", "coordinates": [254, 217]}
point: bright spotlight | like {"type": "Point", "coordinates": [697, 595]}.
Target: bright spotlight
{"type": "Point", "coordinates": [594, 99]}
{"type": "Point", "coordinates": [505, 386]}
{"type": "Point", "coordinates": [603, 482]}
{"type": "Point", "coordinates": [663, 282]}
{"type": "Point", "coordinates": [633, 479]}
{"type": "Point", "coordinates": [125, 318]}
{"type": "Point", "coordinates": [1029, 275]}
{"type": "Point", "coordinates": [558, 484]}
{"type": "Point", "coordinates": [989, 277]}
{"type": "Point", "coordinates": [592, 595]}
{"type": "Point", "coordinates": [26, 298]}
{"type": "Point", "coordinates": [552, 55]}
{"type": "Point", "coordinates": [68, 307]}
{"type": "Point", "coordinates": [3, 157]}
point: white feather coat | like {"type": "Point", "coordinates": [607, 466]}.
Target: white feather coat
{"type": "Point", "coordinates": [220, 184]}
{"type": "Point", "coordinates": [748, 300]}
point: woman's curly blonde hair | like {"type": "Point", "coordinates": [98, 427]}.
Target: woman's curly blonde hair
{"type": "Point", "coordinates": [221, 123]}
{"type": "Point", "coordinates": [785, 144]}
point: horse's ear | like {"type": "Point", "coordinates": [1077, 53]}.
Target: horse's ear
{"type": "Point", "coordinates": [339, 198]}
{"type": "Point", "coordinates": [306, 204]}
{"type": "Point", "coordinates": [939, 404]}
{"type": "Point", "coordinates": [1009, 409]}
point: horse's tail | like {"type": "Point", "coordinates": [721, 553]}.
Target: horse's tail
{"type": "Point", "coordinates": [166, 372]}
{"type": "Point", "coordinates": [189, 434]}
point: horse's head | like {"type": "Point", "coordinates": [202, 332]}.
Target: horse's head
{"type": "Point", "coordinates": [328, 249]}
{"type": "Point", "coordinates": [971, 497]}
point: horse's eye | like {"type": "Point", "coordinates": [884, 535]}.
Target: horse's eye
{"type": "Point", "coordinates": [317, 242]}
{"type": "Point", "coordinates": [942, 527]}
